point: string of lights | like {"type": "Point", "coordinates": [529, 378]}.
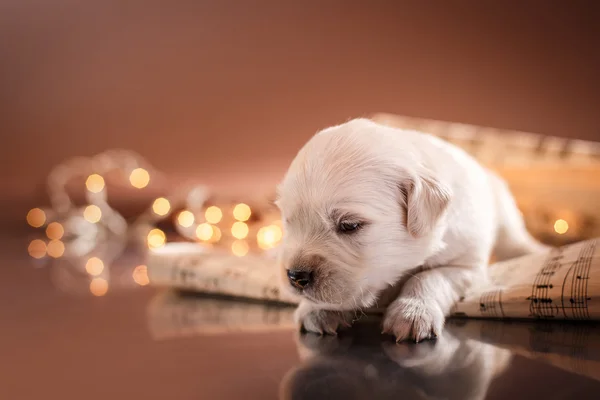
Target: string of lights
{"type": "Point", "coordinates": [92, 236]}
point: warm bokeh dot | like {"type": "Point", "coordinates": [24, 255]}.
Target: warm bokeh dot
{"type": "Point", "coordinates": [204, 231]}
{"type": "Point", "coordinates": [139, 178]}
{"type": "Point", "coordinates": [37, 248]}
{"type": "Point", "coordinates": [94, 266]}
{"type": "Point", "coordinates": [239, 230]}
{"type": "Point", "coordinates": [55, 231]}
{"type": "Point", "coordinates": [95, 183]}
{"type": "Point", "coordinates": [55, 248]}
{"type": "Point", "coordinates": [213, 214]}
{"type": "Point", "coordinates": [92, 213]}
{"type": "Point", "coordinates": [242, 212]}
{"type": "Point", "coordinates": [156, 238]}
{"type": "Point", "coordinates": [561, 226]}
{"type": "Point", "coordinates": [140, 275]}
{"type": "Point", "coordinates": [99, 286]}
{"type": "Point", "coordinates": [185, 218]}
{"type": "Point", "coordinates": [36, 217]}
{"type": "Point", "coordinates": [268, 236]}
{"type": "Point", "coordinates": [161, 206]}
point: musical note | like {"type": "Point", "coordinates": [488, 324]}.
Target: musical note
{"type": "Point", "coordinates": [540, 301]}
{"type": "Point", "coordinates": [578, 285]}
{"type": "Point", "coordinates": [488, 302]}
{"type": "Point", "coordinates": [557, 284]}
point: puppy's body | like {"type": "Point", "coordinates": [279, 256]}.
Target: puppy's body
{"type": "Point", "coordinates": [365, 205]}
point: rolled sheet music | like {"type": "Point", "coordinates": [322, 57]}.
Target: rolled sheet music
{"type": "Point", "coordinates": [562, 283]}
{"type": "Point", "coordinates": [189, 266]}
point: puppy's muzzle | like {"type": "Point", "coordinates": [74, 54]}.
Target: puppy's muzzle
{"type": "Point", "coordinates": [299, 279]}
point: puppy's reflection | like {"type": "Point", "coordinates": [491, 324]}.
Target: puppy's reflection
{"type": "Point", "coordinates": [360, 364]}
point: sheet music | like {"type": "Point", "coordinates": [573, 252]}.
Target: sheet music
{"type": "Point", "coordinates": [558, 284]}
{"type": "Point", "coordinates": [189, 266]}
{"type": "Point", "coordinates": [562, 283]}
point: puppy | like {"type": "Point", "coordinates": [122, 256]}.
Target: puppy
{"type": "Point", "coordinates": [365, 206]}
{"type": "Point", "coordinates": [362, 366]}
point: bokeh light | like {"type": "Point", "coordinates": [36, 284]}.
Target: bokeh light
{"type": "Point", "coordinates": [55, 248]}
{"type": "Point", "coordinates": [161, 206]}
{"type": "Point", "coordinates": [55, 230]}
{"type": "Point", "coordinates": [99, 286]}
{"type": "Point", "coordinates": [140, 275]}
{"type": "Point", "coordinates": [204, 231]}
{"type": "Point", "coordinates": [213, 214]}
{"type": "Point", "coordinates": [268, 236]}
{"type": "Point", "coordinates": [242, 212]}
{"type": "Point", "coordinates": [208, 233]}
{"type": "Point", "coordinates": [156, 238]}
{"type": "Point", "coordinates": [36, 217]}
{"type": "Point", "coordinates": [139, 178]}
{"type": "Point", "coordinates": [92, 213]}
{"type": "Point", "coordinates": [240, 248]}
{"type": "Point", "coordinates": [561, 226]}
{"type": "Point", "coordinates": [185, 218]}
{"type": "Point", "coordinates": [239, 230]}
{"type": "Point", "coordinates": [95, 183]}
{"type": "Point", "coordinates": [37, 248]}
{"type": "Point", "coordinates": [94, 266]}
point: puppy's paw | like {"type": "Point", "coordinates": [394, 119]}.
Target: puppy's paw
{"type": "Point", "coordinates": [413, 318]}
{"type": "Point", "coordinates": [325, 321]}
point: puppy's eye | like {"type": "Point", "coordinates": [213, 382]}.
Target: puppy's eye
{"type": "Point", "coordinates": [348, 227]}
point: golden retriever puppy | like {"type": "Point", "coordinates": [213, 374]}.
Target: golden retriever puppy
{"type": "Point", "coordinates": [365, 206]}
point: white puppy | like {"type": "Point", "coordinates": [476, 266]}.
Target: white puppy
{"type": "Point", "coordinates": [366, 206]}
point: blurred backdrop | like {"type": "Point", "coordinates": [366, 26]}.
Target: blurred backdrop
{"type": "Point", "coordinates": [225, 92]}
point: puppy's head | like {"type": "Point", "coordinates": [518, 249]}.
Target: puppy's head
{"type": "Point", "coordinates": [359, 209]}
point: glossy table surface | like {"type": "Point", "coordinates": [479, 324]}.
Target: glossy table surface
{"type": "Point", "coordinates": [60, 341]}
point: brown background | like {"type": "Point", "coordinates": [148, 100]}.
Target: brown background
{"type": "Point", "coordinates": [225, 92]}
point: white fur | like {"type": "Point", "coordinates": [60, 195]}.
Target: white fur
{"type": "Point", "coordinates": [431, 214]}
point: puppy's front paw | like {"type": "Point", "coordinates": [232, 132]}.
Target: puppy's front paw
{"type": "Point", "coordinates": [413, 318]}
{"type": "Point", "coordinates": [325, 321]}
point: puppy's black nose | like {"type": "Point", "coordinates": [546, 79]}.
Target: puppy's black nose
{"type": "Point", "coordinates": [299, 279]}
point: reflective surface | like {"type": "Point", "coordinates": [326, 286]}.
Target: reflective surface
{"type": "Point", "coordinates": [517, 360]}
{"type": "Point", "coordinates": [64, 338]}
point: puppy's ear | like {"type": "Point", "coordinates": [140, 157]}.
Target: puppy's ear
{"type": "Point", "coordinates": [425, 200]}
